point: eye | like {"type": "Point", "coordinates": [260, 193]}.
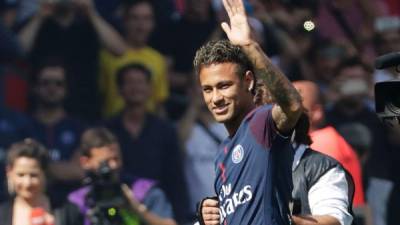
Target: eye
{"type": "Point", "coordinates": [34, 175]}
{"type": "Point", "coordinates": [20, 174]}
{"type": "Point", "coordinates": [225, 86]}
{"type": "Point", "coordinates": [207, 89]}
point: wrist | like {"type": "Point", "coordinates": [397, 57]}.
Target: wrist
{"type": "Point", "coordinates": [249, 44]}
{"type": "Point", "coordinates": [138, 207]}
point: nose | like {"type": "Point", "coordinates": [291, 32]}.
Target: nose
{"type": "Point", "coordinates": [217, 97]}
{"type": "Point", "coordinates": [27, 181]}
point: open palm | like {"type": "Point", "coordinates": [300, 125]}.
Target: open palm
{"type": "Point", "coordinates": [238, 31]}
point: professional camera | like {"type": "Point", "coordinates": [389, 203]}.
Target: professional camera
{"type": "Point", "coordinates": [387, 93]}
{"type": "Point", "coordinates": [105, 196]}
{"type": "Point", "coordinates": [387, 101]}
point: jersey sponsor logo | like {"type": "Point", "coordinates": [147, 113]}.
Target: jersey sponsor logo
{"type": "Point", "coordinates": [237, 154]}
{"type": "Point", "coordinates": [230, 201]}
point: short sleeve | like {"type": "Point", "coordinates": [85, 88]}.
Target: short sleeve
{"type": "Point", "coordinates": [157, 202]}
{"type": "Point", "coordinates": [263, 126]}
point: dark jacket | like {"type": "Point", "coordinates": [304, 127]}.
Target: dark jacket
{"type": "Point", "coordinates": [313, 165]}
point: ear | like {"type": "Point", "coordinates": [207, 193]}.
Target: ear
{"type": "Point", "coordinates": [317, 114]}
{"type": "Point", "coordinates": [8, 170]}
{"type": "Point", "coordinates": [250, 80]}
{"type": "Point", "coordinates": [10, 186]}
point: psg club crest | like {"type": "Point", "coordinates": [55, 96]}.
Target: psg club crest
{"type": "Point", "coordinates": [237, 154]}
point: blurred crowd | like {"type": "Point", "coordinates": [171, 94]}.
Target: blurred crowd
{"type": "Point", "coordinates": [69, 65]}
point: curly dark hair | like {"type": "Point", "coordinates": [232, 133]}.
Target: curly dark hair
{"type": "Point", "coordinates": [222, 51]}
{"type": "Point", "coordinates": [29, 148]}
{"type": "Point", "coordinates": [301, 129]}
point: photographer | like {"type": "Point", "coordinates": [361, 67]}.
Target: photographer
{"type": "Point", "coordinates": [107, 198]}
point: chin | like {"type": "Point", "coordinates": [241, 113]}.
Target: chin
{"type": "Point", "coordinates": [222, 118]}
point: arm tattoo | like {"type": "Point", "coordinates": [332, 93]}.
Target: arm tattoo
{"type": "Point", "coordinates": [280, 88]}
{"type": "Point", "coordinates": [286, 97]}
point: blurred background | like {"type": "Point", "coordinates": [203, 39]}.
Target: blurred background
{"type": "Point", "coordinates": [60, 59]}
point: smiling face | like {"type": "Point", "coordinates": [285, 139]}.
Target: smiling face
{"type": "Point", "coordinates": [27, 178]}
{"type": "Point", "coordinates": [227, 95]}
{"type": "Point", "coordinates": [136, 87]}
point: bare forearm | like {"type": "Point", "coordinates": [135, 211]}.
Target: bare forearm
{"type": "Point", "coordinates": [149, 218]}
{"type": "Point", "coordinates": [315, 220]}
{"type": "Point", "coordinates": [285, 95]}
{"type": "Point", "coordinates": [280, 88]}
{"type": "Point", "coordinates": [109, 37]}
{"type": "Point", "coordinates": [28, 34]}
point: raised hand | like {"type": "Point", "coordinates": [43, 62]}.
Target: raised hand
{"type": "Point", "coordinates": [87, 6]}
{"type": "Point", "coordinates": [46, 9]}
{"type": "Point", "coordinates": [238, 31]}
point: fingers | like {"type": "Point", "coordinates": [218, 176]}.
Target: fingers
{"type": "Point", "coordinates": [227, 7]}
{"type": "Point", "coordinates": [233, 7]}
{"type": "Point", "coordinates": [211, 215]}
{"type": "Point", "coordinates": [225, 27]}
{"type": "Point", "coordinates": [210, 203]}
{"type": "Point", "coordinates": [210, 212]}
{"type": "Point", "coordinates": [239, 6]}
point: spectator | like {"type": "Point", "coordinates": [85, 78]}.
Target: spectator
{"type": "Point", "coordinates": [149, 144]}
{"type": "Point", "coordinates": [352, 86]}
{"type": "Point", "coordinates": [11, 130]}
{"type": "Point", "coordinates": [72, 31]}
{"type": "Point", "coordinates": [351, 103]}
{"type": "Point", "coordinates": [326, 56]}
{"type": "Point", "coordinates": [9, 46]}
{"type": "Point", "coordinates": [52, 126]}
{"type": "Point", "coordinates": [319, 187]}
{"type": "Point", "coordinates": [327, 140]}
{"type": "Point", "coordinates": [11, 122]}
{"type": "Point", "coordinates": [145, 202]}
{"type": "Point", "coordinates": [200, 136]}
{"type": "Point", "coordinates": [27, 163]}
{"type": "Point", "coordinates": [179, 42]}
{"type": "Point", "coordinates": [138, 21]}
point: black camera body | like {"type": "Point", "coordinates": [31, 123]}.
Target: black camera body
{"type": "Point", "coordinates": [387, 93]}
{"type": "Point", "coordinates": [105, 196]}
{"type": "Point", "coordinates": [387, 98]}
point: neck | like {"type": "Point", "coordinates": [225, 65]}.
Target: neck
{"type": "Point", "coordinates": [350, 111]}
{"type": "Point", "coordinates": [233, 125]}
{"type": "Point", "coordinates": [65, 20]}
{"type": "Point", "coordinates": [134, 114]}
{"type": "Point", "coordinates": [49, 115]}
{"type": "Point", "coordinates": [133, 120]}
{"type": "Point", "coordinates": [135, 44]}
{"type": "Point", "coordinates": [39, 201]}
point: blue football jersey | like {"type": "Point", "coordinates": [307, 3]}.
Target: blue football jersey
{"type": "Point", "coordinates": [252, 183]}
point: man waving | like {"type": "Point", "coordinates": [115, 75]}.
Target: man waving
{"type": "Point", "coordinates": [253, 165]}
